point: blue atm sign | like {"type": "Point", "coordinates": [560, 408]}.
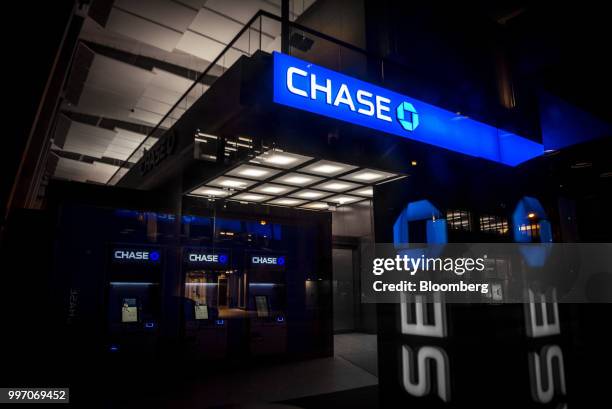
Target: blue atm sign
{"type": "Point", "coordinates": [267, 261]}
{"type": "Point", "coordinates": [135, 255]}
{"type": "Point", "coordinates": [206, 258]}
{"type": "Point", "coordinates": [305, 86]}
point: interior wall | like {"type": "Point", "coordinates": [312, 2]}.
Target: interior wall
{"type": "Point", "coordinates": [353, 221]}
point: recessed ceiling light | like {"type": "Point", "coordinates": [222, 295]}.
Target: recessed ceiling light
{"type": "Point", "coordinates": [250, 197]}
{"type": "Point", "coordinates": [343, 199]}
{"type": "Point", "coordinates": [368, 176]}
{"type": "Point", "coordinates": [316, 206]}
{"type": "Point", "coordinates": [234, 183]}
{"type": "Point", "coordinates": [367, 191]}
{"type": "Point", "coordinates": [278, 159]}
{"type": "Point", "coordinates": [337, 186]}
{"type": "Point", "coordinates": [210, 191]}
{"type": "Point", "coordinates": [297, 179]}
{"type": "Point", "coordinates": [252, 172]}
{"type": "Point", "coordinates": [285, 201]}
{"type": "Point", "coordinates": [272, 189]}
{"type": "Point", "coordinates": [310, 194]}
{"type": "Point", "coordinates": [327, 168]}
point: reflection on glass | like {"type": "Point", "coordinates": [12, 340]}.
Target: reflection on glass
{"type": "Point", "coordinates": [200, 288]}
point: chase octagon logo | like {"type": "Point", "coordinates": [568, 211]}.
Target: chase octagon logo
{"type": "Point", "coordinates": [407, 116]}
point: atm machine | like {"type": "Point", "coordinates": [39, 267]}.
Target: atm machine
{"type": "Point", "coordinates": [210, 289]}
{"type": "Point", "coordinates": [266, 296]}
{"type": "Point", "coordinates": [133, 299]}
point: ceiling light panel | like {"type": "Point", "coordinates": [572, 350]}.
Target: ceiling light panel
{"type": "Point", "coordinates": [310, 194]}
{"type": "Point", "coordinates": [286, 201]}
{"type": "Point", "coordinates": [283, 160]}
{"type": "Point", "coordinates": [253, 172]}
{"type": "Point", "coordinates": [327, 168]}
{"type": "Point", "coordinates": [251, 197]}
{"type": "Point", "coordinates": [232, 183]}
{"type": "Point", "coordinates": [210, 192]}
{"type": "Point", "coordinates": [368, 176]}
{"type": "Point", "coordinates": [343, 199]}
{"type": "Point", "coordinates": [272, 189]}
{"type": "Point", "coordinates": [297, 179]}
{"type": "Point", "coordinates": [315, 206]}
{"type": "Point", "coordinates": [337, 186]}
{"type": "Point", "coordinates": [366, 192]}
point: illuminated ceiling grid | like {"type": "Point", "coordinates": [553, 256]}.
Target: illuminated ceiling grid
{"type": "Point", "coordinates": [291, 180]}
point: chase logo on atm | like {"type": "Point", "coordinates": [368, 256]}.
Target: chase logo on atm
{"type": "Point", "coordinates": [134, 255]}
{"type": "Point", "coordinates": [208, 258]}
{"type": "Point", "coordinates": [275, 261]}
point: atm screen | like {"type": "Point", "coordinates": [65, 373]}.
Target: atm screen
{"type": "Point", "coordinates": [261, 303]}
{"type": "Point", "coordinates": [129, 310]}
{"type": "Point", "coordinates": [201, 312]}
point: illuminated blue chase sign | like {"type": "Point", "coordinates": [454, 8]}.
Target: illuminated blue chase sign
{"type": "Point", "coordinates": [302, 85]}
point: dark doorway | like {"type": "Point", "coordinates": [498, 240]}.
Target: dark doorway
{"type": "Point", "coordinates": [222, 294]}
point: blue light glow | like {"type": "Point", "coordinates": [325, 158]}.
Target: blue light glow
{"type": "Point", "coordinates": [305, 86]}
{"type": "Point", "coordinates": [536, 254]}
{"type": "Point", "coordinates": [435, 228]}
{"type": "Point", "coordinates": [529, 205]}
{"type": "Point", "coordinates": [419, 210]}
{"type": "Point", "coordinates": [436, 231]}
